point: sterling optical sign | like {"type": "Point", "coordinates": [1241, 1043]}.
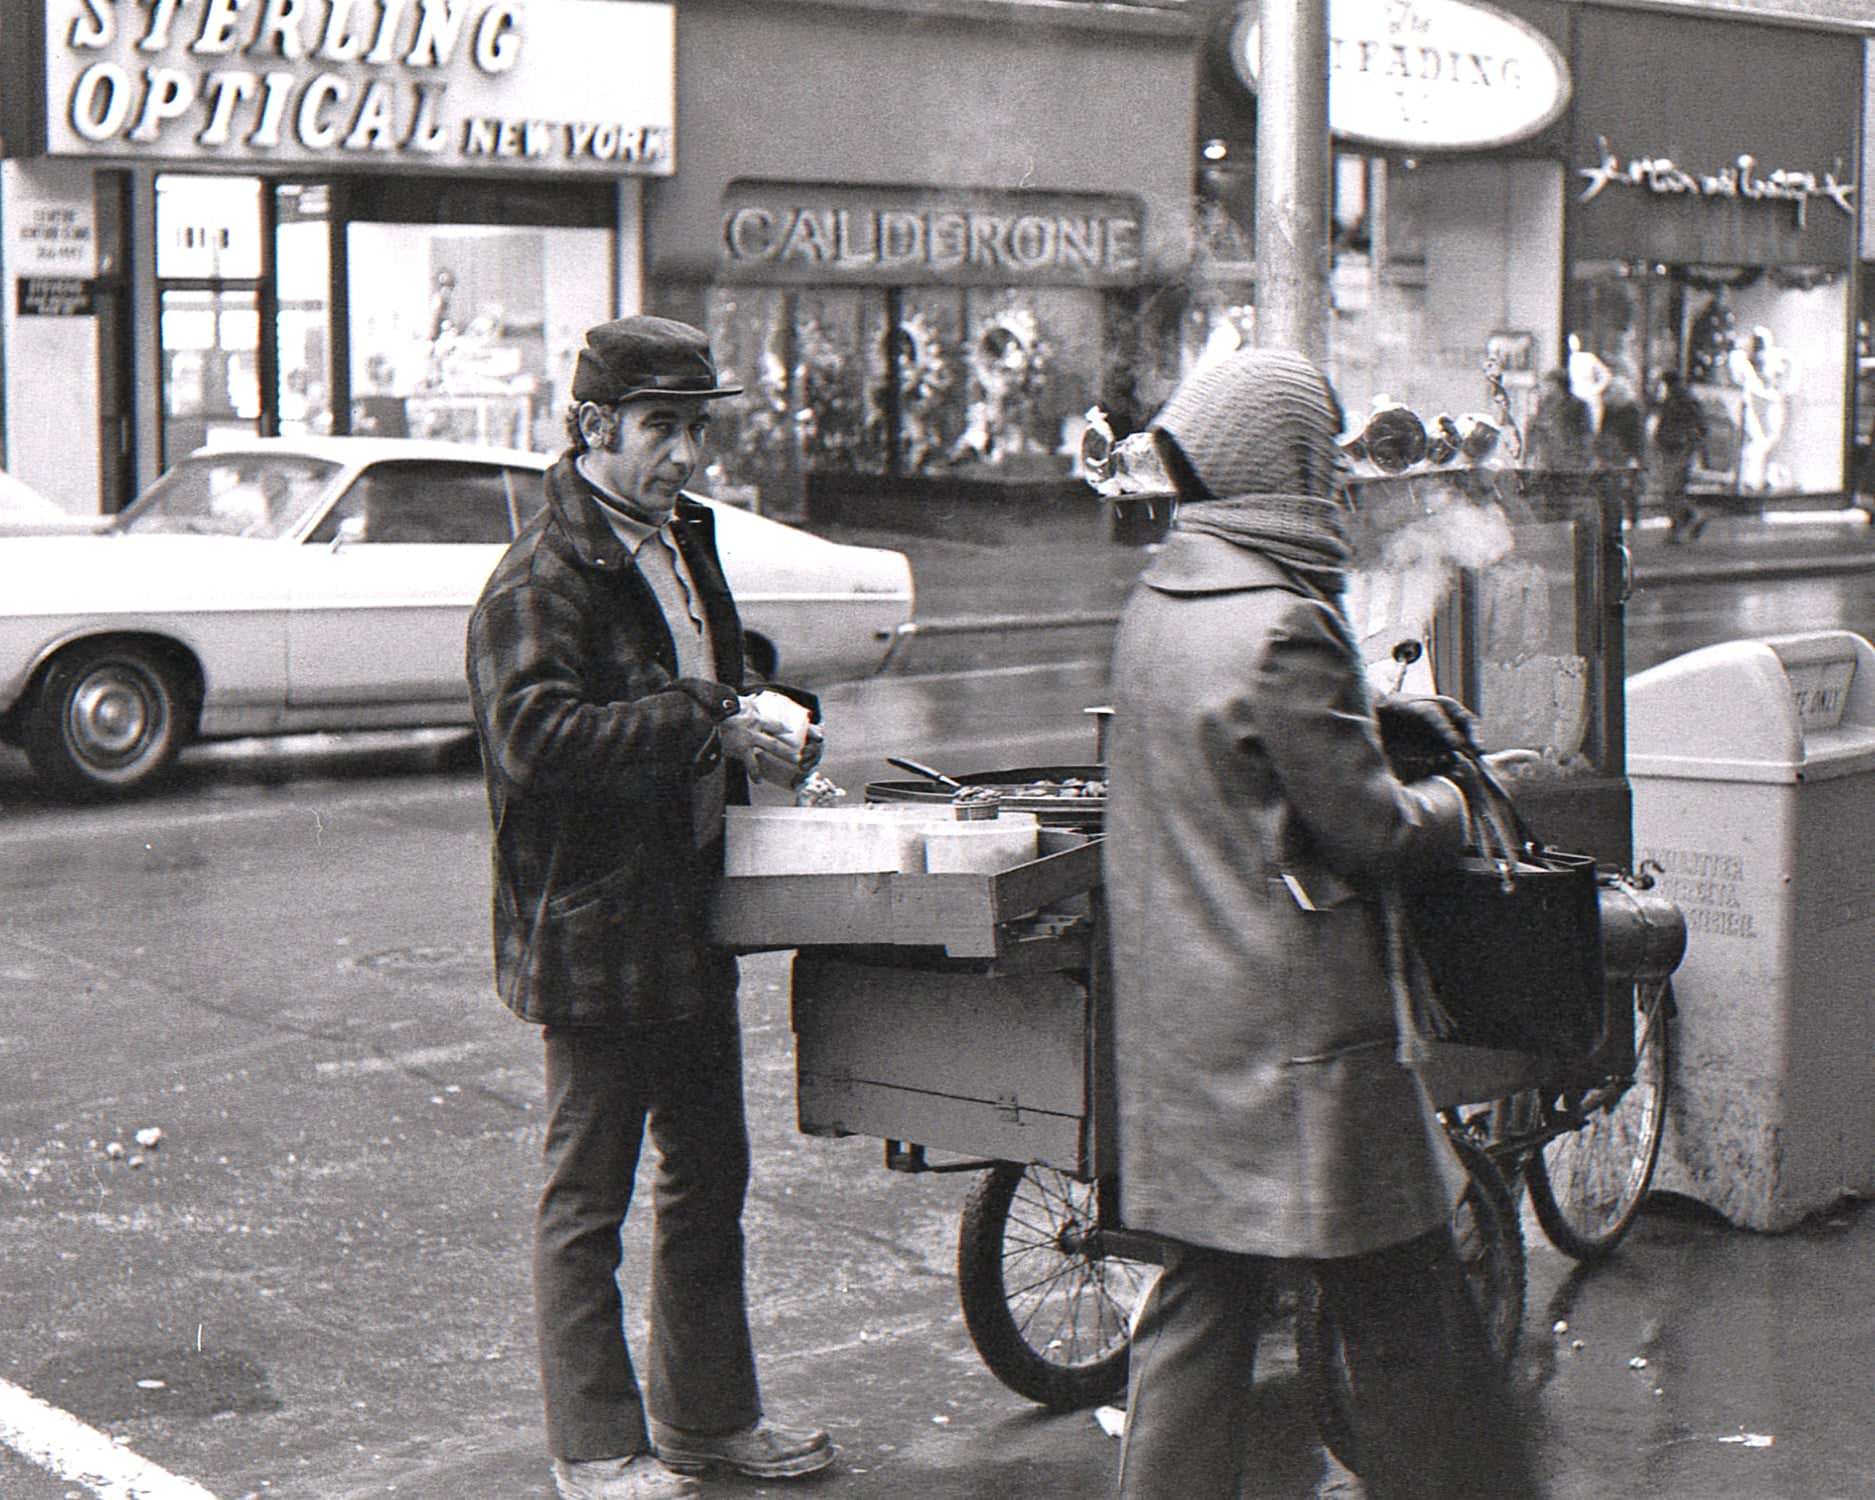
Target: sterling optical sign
{"type": "Point", "coordinates": [569, 85]}
{"type": "Point", "coordinates": [1428, 75]}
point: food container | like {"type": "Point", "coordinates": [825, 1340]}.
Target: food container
{"type": "Point", "coordinates": [980, 846]}
{"type": "Point", "coordinates": [779, 708]}
{"type": "Point", "coordinates": [823, 840]}
{"type": "Point", "coordinates": [780, 840]}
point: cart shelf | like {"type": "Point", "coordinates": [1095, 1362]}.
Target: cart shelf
{"type": "Point", "coordinates": [967, 915]}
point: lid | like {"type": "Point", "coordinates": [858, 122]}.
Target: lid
{"type": "Point", "coordinates": [1780, 709]}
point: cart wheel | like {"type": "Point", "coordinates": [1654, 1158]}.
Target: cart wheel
{"type": "Point", "coordinates": [1051, 1321]}
{"type": "Point", "coordinates": [1488, 1232]}
{"type": "Point", "coordinates": [1587, 1185]}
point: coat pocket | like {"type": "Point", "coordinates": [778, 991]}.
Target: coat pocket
{"type": "Point", "coordinates": [577, 899]}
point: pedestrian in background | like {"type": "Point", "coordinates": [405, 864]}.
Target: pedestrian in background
{"type": "Point", "coordinates": [611, 701]}
{"type": "Point", "coordinates": [1623, 434]}
{"type": "Point", "coordinates": [1562, 430]}
{"type": "Point", "coordinates": [1679, 432]}
{"type": "Point", "coordinates": [1621, 441]}
{"type": "Point", "coordinates": [1265, 1117]}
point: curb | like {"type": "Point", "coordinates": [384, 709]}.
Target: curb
{"type": "Point", "coordinates": [1739, 569]}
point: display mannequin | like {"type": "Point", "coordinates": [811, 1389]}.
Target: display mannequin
{"type": "Point", "coordinates": [1588, 379]}
{"type": "Point", "coordinates": [1766, 372]}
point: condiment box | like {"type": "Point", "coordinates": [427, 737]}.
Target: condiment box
{"type": "Point", "coordinates": [887, 839]}
{"type": "Point", "coordinates": [823, 840]}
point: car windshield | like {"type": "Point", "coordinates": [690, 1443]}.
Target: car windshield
{"type": "Point", "coordinates": [264, 495]}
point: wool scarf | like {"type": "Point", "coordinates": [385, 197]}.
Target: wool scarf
{"type": "Point", "coordinates": [1307, 532]}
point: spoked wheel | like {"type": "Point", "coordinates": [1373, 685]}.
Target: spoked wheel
{"type": "Point", "coordinates": [1050, 1315]}
{"type": "Point", "coordinates": [1488, 1233]}
{"type": "Point", "coordinates": [1587, 1185]}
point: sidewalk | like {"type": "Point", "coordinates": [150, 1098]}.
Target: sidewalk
{"type": "Point", "coordinates": [1079, 570]}
{"type": "Point", "coordinates": [1779, 544]}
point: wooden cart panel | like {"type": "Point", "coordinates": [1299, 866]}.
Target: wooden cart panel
{"type": "Point", "coordinates": [983, 1064]}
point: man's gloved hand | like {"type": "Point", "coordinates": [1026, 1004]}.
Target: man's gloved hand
{"type": "Point", "coordinates": [1425, 736]}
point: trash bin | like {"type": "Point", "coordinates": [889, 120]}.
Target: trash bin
{"type": "Point", "coordinates": [1752, 765]}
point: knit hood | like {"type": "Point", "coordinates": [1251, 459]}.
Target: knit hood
{"type": "Point", "coordinates": [1257, 430]}
{"type": "Point", "coordinates": [1257, 422]}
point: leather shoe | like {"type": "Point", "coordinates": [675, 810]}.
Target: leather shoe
{"type": "Point", "coordinates": [637, 1476]}
{"type": "Point", "coordinates": [763, 1451]}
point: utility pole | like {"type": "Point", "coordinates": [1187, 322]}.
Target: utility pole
{"type": "Point", "coordinates": [1292, 177]}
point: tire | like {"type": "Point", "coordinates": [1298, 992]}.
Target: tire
{"type": "Point", "coordinates": [1488, 1233]}
{"type": "Point", "coordinates": [109, 718]}
{"type": "Point", "coordinates": [1052, 1322]}
{"type": "Point", "coordinates": [1587, 1185]}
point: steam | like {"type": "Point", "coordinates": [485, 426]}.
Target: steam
{"type": "Point", "coordinates": [1393, 597]}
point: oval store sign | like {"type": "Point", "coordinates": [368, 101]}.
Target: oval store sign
{"type": "Point", "coordinates": [1429, 75]}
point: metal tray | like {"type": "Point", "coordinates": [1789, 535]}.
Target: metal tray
{"type": "Point", "coordinates": [1085, 813]}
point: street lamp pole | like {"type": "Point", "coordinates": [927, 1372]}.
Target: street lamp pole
{"type": "Point", "coordinates": [1292, 176]}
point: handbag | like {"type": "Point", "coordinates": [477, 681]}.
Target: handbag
{"type": "Point", "coordinates": [1507, 938]}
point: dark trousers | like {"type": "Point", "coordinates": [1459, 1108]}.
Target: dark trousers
{"type": "Point", "coordinates": [685, 1081]}
{"type": "Point", "coordinates": [1433, 1415]}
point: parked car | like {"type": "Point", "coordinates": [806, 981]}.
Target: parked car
{"type": "Point", "coordinates": [26, 512]}
{"type": "Point", "coordinates": [325, 584]}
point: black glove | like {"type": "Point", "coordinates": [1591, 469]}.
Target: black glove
{"type": "Point", "coordinates": [1430, 736]}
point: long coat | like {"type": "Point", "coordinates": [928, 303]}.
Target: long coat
{"type": "Point", "coordinates": [1251, 819]}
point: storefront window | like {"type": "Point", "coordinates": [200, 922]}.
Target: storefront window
{"type": "Point", "coordinates": [971, 382]}
{"type": "Point", "coordinates": [1759, 347]}
{"type": "Point", "coordinates": [468, 333]}
{"type": "Point", "coordinates": [302, 316]}
{"type": "Point", "coordinates": [1438, 264]}
{"type": "Point", "coordinates": [208, 228]}
{"type": "Point", "coordinates": [1862, 455]}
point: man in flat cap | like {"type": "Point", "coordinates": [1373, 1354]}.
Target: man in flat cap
{"type": "Point", "coordinates": [613, 708]}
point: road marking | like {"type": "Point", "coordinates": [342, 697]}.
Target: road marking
{"type": "Point", "coordinates": [61, 1444]}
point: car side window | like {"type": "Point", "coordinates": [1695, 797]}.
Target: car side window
{"type": "Point", "coordinates": [528, 489]}
{"type": "Point", "coordinates": [424, 501]}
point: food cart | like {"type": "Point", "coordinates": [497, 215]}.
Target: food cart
{"type": "Point", "coordinates": [963, 1017]}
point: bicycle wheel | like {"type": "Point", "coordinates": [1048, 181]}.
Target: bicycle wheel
{"type": "Point", "coordinates": [1051, 1321]}
{"type": "Point", "coordinates": [1587, 1185]}
{"type": "Point", "coordinates": [1488, 1233]}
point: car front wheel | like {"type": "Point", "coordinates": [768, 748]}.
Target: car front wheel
{"type": "Point", "coordinates": [108, 718]}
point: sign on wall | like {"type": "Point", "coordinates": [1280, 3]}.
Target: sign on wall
{"type": "Point", "coordinates": [829, 235]}
{"type": "Point", "coordinates": [532, 85]}
{"type": "Point", "coordinates": [1743, 178]}
{"type": "Point", "coordinates": [1428, 75]}
{"type": "Point", "coordinates": [50, 225]}
{"type": "Point", "coordinates": [54, 297]}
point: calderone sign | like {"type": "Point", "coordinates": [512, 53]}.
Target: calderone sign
{"type": "Point", "coordinates": [1428, 75]}
{"type": "Point", "coordinates": [503, 84]}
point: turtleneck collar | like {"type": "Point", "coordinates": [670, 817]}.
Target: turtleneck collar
{"type": "Point", "coordinates": [621, 512]}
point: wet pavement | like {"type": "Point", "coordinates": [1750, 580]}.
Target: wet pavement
{"type": "Point", "coordinates": [314, 1287]}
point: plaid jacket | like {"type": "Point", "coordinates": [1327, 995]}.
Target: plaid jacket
{"type": "Point", "coordinates": [590, 747]}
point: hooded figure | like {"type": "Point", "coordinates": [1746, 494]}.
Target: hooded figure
{"type": "Point", "coordinates": [1252, 827]}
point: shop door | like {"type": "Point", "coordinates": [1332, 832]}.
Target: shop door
{"type": "Point", "coordinates": [210, 267]}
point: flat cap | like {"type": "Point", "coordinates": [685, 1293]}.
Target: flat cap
{"type": "Point", "coordinates": [643, 356]}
